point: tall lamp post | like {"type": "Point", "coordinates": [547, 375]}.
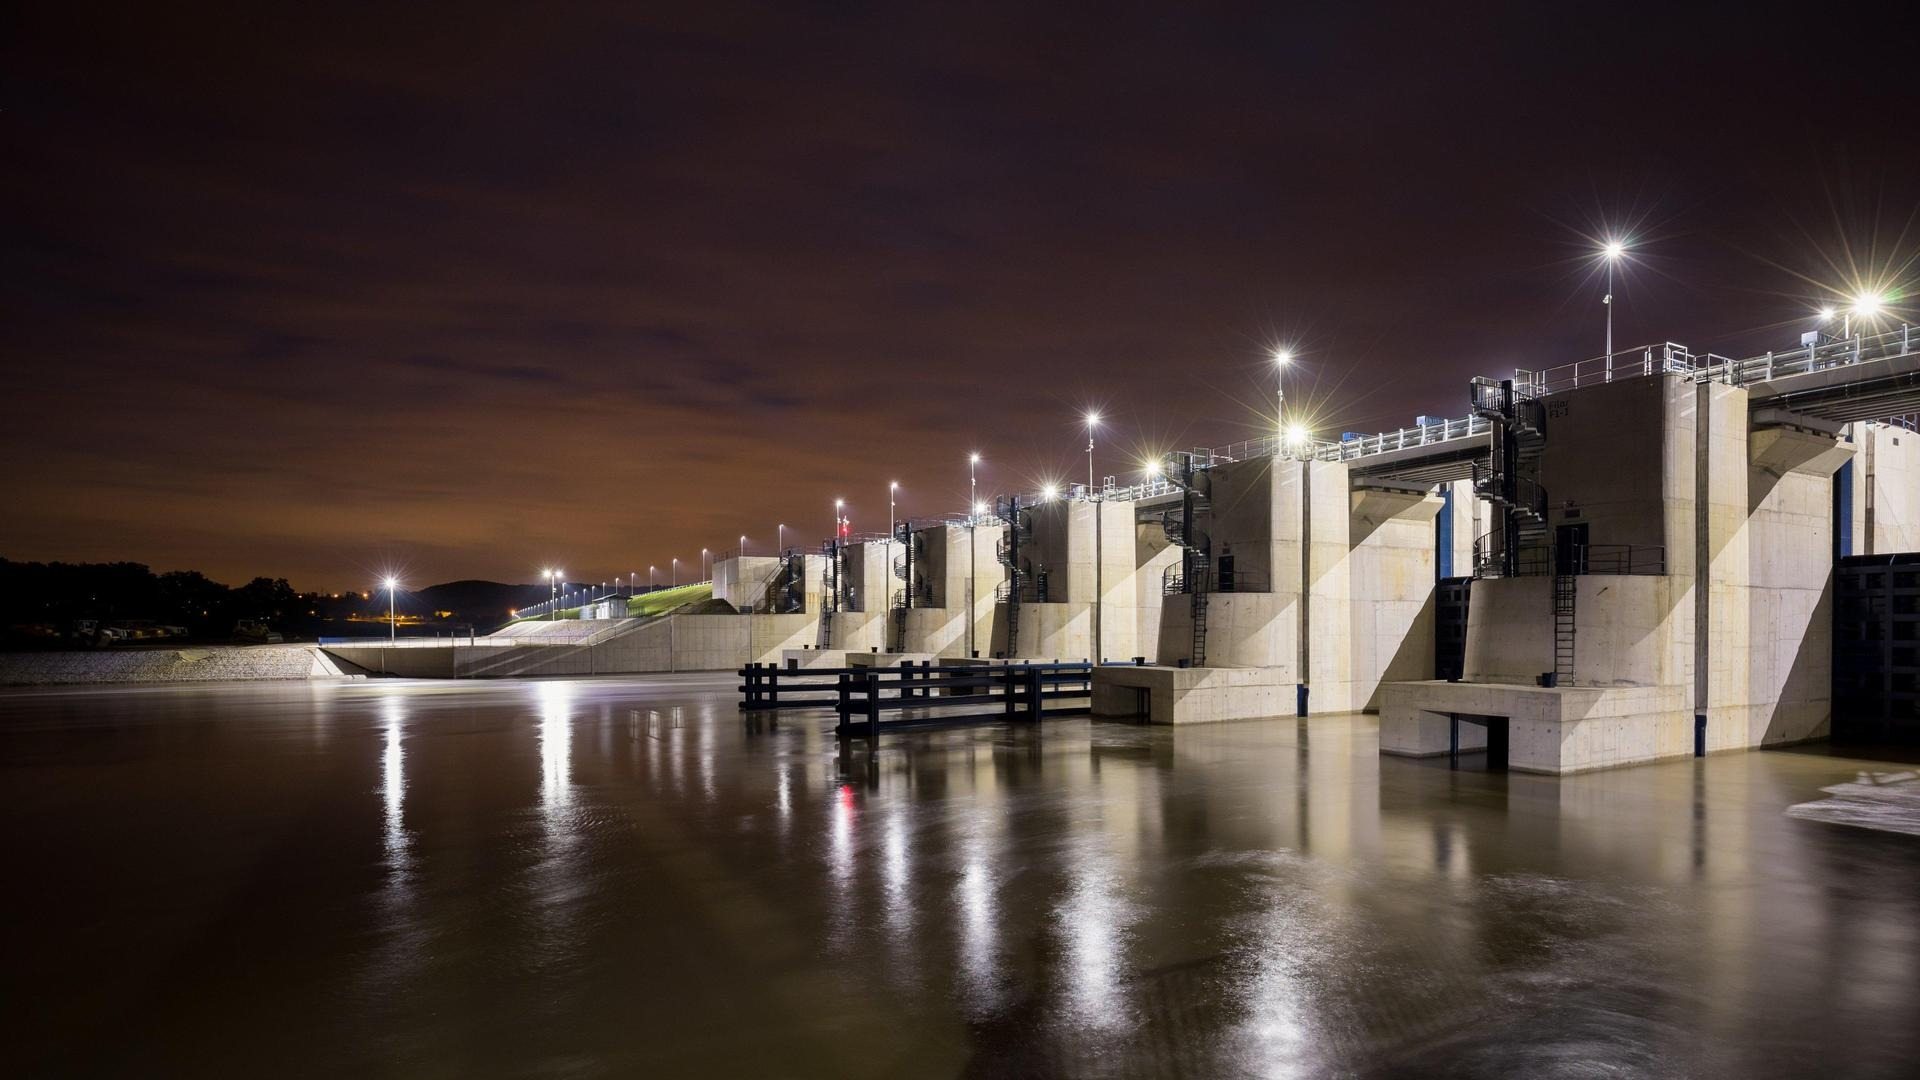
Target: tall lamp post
{"type": "Point", "coordinates": [1093, 421]}
{"type": "Point", "coordinates": [973, 482]}
{"type": "Point", "coordinates": [704, 563]}
{"type": "Point", "coordinates": [553, 593]}
{"type": "Point", "coordinates": [743, 545]}
{"type": "Point", "coordinates": [837, 519]}
{"type": "Point", "coordinates": [393, 627]}
{"type": "Point", "coordinates": [1612, 252]}
{"type": "Point", "coordinates": [1281, 358]}
{"type": "Point", "coordinates": [674, 569]}
{"type": "Point", "coordinates": [780, 538]}
{"type": "Point", "coordinates": [893, 494]}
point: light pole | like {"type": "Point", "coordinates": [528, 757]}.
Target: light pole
{"type": "Point", "coordinates": [743, 545]}
{"type": "Point", "coordinates": [1093, 421]}
{"type": "Point", "coordinates": [893, 493]}
{"type": "Point", "coordinates": [393, 627]}
{"type": "Point", "coordinates": [780, 538]}
{"type": "Point", "coordinates": [973, 482]}
{"type": "Point", "coordinates": [674, 569]}
{"type": "Point", "coordinates": [1612, 252]}
{"type": "Point", "coordinates": [703, 563]}
{"type": "Point", "coordinates": [553, 593]}
{"type": "Point", "coordinates": [837, 519]}
{"type": "Point", "coordinates": [653, 574]}
{"type": "Point", "coordinates": [1281, 358]}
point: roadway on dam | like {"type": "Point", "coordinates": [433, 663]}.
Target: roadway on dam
{"type": "Point", "coordinates": [620, 876]}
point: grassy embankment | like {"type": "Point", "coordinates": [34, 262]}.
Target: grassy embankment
{"type": "Point", "coordinates": [661, 602]}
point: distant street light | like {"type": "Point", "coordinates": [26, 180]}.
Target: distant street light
{"type": "Point", "coordinates": [553, 594]}
{"type": "Point", "coordinates": [893, 494]}
{"type": "Point", "coordinates": [653, 575]}
{"type": "Point", "coordinates": [743, 545]}
{"type": "Point", "coordinates": [704, 564]}
{"type": "Point", "coordinates": [838, 521]}
{"type": "Point", "coordinates": [393, 627]}
{"type": "Point", "coordinates": [973, 481]}
{"type": "Point", "coordinates": [1612, 252]}
{"type": "Point", "coordinates": [780, 538]}
{"type": "Point", "coordinates": [674, 569]}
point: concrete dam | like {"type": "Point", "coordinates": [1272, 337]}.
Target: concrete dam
{"type": "Point", "coordinates": [1641, 556]}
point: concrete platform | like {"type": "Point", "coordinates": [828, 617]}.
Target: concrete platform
{"type": "Point", "coordinates": [889, 659]}
{"type": "Point", "coordinates": [813, 658]}
{"type": "Point", "coordinates": [1193, 695]}
{"type": "Point", "coordinates": [1554, 731]}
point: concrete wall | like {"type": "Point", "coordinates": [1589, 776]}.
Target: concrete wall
{"type": "Point", "coordinates": [869, 582]}
{"type": "Point", "coordinates": [746, 582]}
{"type": "Point", "coordinates": [1365, 592]}
{"type": "Point", "coordinates": [1393, 566]}
{"type": "Point", "coordinates": [1887, 492]}
{"type": "Point", "coordinates": [1747, 641]}
{"type": "Point", "coordinates": [1628, 631]}
{"type": "Point", "coordinates": [1616, 456]}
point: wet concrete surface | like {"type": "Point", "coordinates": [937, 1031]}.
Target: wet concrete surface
{"type": "Point", "coordinates": [621, 877]}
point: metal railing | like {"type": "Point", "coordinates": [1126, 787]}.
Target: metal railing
{"type": "Point", "coordinates": [1665, 358]}
{"type": "Point", "coordinates": [578, 597]}
{"type": "Point", "coordinates": [1820, 356]}
{"type": "Point", "coordinates": [1211, 580]}
{"type": "Point", "coordinates": [1609, 559]}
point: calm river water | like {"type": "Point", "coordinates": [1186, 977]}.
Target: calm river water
{"type": "Point", "coordinates": [620, 877]}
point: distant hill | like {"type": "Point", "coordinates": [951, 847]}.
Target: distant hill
{"type": "Point", "coordinates": [483, 601]}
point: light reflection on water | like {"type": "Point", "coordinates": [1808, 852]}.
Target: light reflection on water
{"type": "Point", "coordinates": [504, 879]}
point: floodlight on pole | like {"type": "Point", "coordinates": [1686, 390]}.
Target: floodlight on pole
{"type": "Point", "coordinates": [893, 494]}
{"type": "Point", "coordinates": [973, 480]}
{"type": "Point", "coordinates": [393, 626]}
{"type": "Point", "coordinates": [1865, 306]}
{"type": "Point", "coordinates": [1612, 251]}
{"type": "Point", "coordinates": [1093, 421]}
{"type": "Point", "coordinates": [1281, 358]}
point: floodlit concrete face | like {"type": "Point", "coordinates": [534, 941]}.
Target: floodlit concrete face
{"type": "Point", "coordinates": [1886, 501]}
{"type": "Point", "coordinates": [747, 582]}
{"type": "Point", "coordinates": [1168, 695]}
{"type": "Point", "coordinates": [1619, 457]}
{"type": "Point", "coordinates": [1392, 569]}
{"type": "Point", "coordinates": [1554, 731]}
{"type": "Point", "coordinates": [1103, 585]}
{"type": "Point", "coordinates": [869, 582]}
{"type": "Point", "coordinates": [1746, 499]}
{"type": "Point", "coordinates": [1254, 514]}
{"type": "Point", "coordinates": [1368, 579]}
{"type": "Point", "coordinates": [1629, 630]}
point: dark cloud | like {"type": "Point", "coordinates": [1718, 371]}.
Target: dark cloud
{"type": "Point", "coordinates": [306, 290]}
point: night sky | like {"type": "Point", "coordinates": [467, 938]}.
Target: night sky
{"type": "Point", "coordinates": [465, 293]}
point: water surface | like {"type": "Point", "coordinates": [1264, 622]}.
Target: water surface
{"type": "Point", "coordinates": [621, 877]}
